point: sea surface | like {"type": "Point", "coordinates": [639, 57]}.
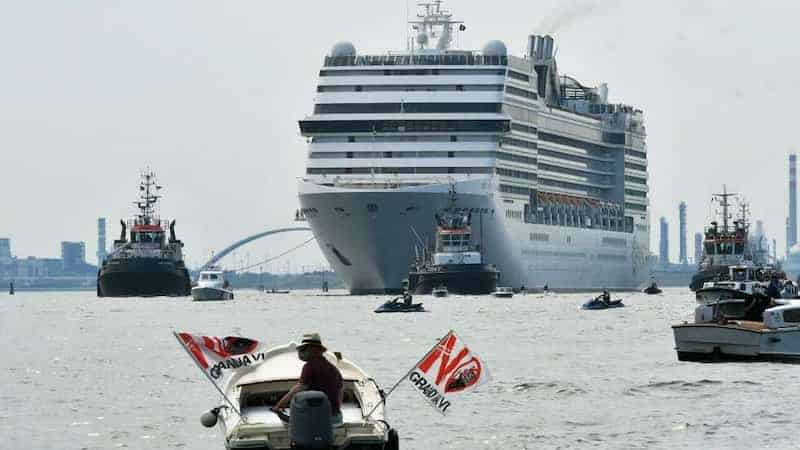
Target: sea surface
{"type": "Point", "coordinates": [80, 372]}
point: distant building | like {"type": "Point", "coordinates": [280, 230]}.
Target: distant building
{"type": "Point", "coordinates": [698, 247]}
{"type": "Point", "coordinates": [73, 256]}
{"type": "Point", "coordinates": [5, 249]}
{"type": "Point", "coordinates": [663, 250]}
{"type": "Point", "coordinates": [7, 262]}
{"type": "Point", "coordinates": [101, 241]}
{"type": "Point", "coordinates": [682, 230]}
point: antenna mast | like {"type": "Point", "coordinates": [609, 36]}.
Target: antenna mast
{"type": "Point", "coordinates": [723, 200]}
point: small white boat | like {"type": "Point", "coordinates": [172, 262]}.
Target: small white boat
{"type": "Point", "coordinates": [504, 292]}
{"type": "Point", "coordinates": [440, 291]}
{"type": "Point", "coordinates": [254, 392]}
{"type": "Point", "coordinates": [776, 337]}
{"type": "Point", "coordinates": [212, 285]}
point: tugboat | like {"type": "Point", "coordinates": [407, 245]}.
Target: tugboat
{"type": "Point", "coordinates": [724, 246]}
{"type": "Point", "coordinates": [146, 263]}
{"type": "Point", "coordinates": [456, 264]}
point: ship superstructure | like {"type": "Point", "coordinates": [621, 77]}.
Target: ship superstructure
{"type": "Point", "coordinates": [556, 173]}
{"type": "Point", "coordinates": [728, 243]}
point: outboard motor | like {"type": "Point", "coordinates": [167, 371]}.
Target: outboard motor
{"type": "Point", "coordinates": [310, 421]}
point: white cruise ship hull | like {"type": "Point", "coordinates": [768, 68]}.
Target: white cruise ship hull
{"type": "Point", "coordinates": [368, 237]}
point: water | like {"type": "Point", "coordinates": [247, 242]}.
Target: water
{"type": "Point", "coordinates": [85, 373]}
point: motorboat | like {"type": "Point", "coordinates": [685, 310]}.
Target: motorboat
{"type": "Point", "coordinates": [715, 336]}
{"type": "Point", "coordinates": [396, 305]}
{"type": "Point", "coordinates": [737, 319]}
{"type": "Point", "coordinates": [440, 291]}
{"type": "Point", "coordinates": [276, 291]}
{"type": "Point", "coordinates": [652, 289]}
{"type": "Point", "coordinates": [598, 303]}
{"type": "Point", "coordinates": [254, 391]}
{"type": "Point", "coordinates": [212, 285]}
{"type": "Point", "coordinates": [503, 292]}
{"type": "Point", "coordinates": [743, 282]}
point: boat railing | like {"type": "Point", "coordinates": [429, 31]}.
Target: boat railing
{"type": "Point", "coordinates": [445, 59]}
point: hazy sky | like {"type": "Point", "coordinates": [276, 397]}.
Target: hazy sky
{"type": "Point", "coordinates": [208, 93]}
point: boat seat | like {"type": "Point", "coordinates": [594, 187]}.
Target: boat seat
{"type": "Point", "coordinates": [750, 325]}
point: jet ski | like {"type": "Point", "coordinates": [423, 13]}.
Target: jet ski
{"type": "Point", "coordinates": [396, 305]}
{"type": "Point", "coordinates": [652, 289]}
{"type": "Point", "coordinates": [597, 303]}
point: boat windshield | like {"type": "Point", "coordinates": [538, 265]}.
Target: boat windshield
{"type": "Point", "coordinates": [147, 237]}
{"type": "Point", "coordinates": [209, 276]}
{"type": "Point", "coordinates": [725, 248]}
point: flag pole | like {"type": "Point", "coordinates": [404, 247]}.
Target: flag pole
{"type": "Point", "coordinates": [183, 345]}
{"type": "Point", "coordinates": [384, 396]}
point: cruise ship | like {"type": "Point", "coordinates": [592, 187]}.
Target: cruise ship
{"type": "Point", "coordinates": [555, 175]}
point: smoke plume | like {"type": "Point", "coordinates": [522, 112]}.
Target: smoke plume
{"type": "Point", "coordinates": [566, 14]}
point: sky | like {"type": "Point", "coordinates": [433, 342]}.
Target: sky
{"type": "Point", "coordinates": [208, 94]}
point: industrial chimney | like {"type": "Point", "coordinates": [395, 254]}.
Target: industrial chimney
{"type": "Point", "coordinates": [663, 252]}
{"type": "Point", "coordinates": [792, 235]}
{"type": "Point", "coordinates": [682, 230]}
{"type": "Point", "coordinates": [101, 240]}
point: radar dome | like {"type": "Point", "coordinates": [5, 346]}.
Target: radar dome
{"type": "Point", "coordinates": [494, 48]}
{"type": "Point", "coordinates": [343, 48]}
{"type": "Point", "coordinates": [422, 39]}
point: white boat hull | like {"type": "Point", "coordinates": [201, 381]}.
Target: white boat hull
{"type": "Point", "coordinates": [714, 342]}
{"type": "Point", "coordinates": [202, 294]}
{"type": "Point", "coordinates": [366, 235]}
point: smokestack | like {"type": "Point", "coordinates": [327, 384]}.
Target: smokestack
{"type": "Point", "coordinates": [682, 231]}
{"type": "Point", "coordinates": [101, 240]}
{"type": "Point", "coordinates": [791, 235]}
{"type": "Point", "coordinates": [664, 243]}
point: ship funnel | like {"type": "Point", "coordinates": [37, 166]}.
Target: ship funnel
{"type": "Point", "coordinates": [540, 48]}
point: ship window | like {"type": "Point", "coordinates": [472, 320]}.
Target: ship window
{"type": "Point", "coordinates": [358, 88]}
{"type": "Point", "coordinates": [725, 248]}
{"type": "Point", "coordinates": [791, 315]}
{"type": "Point", "coordinates": [710, 249]}
{"type": "Point", "coordinates": [739, 248]}
{"type": "Point", "coordinates": [518, 76]}
{"type": "Point", "coordinates": [351, 138]}
{"type": "Point", "coordinates": [204, 276]}
{"type": "Point", "coordinates": [393, 126]}
{"type": "Point", "coordinates": [376, 108]}
{"type": "Point", "coordinates": [453, 138]}
{"type": "Point", "coordinates": [213, 276]}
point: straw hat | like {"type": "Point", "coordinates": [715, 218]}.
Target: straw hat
{"type": "Point", "coordinates": [311, 339]}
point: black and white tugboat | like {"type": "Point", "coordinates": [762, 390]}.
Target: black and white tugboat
{"type": "Point", "coordinates": [724, 246]}
{"type": "Point", "coordinates": [456, 263]}
{"type": "Point", "coordinates": [146, 262]}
